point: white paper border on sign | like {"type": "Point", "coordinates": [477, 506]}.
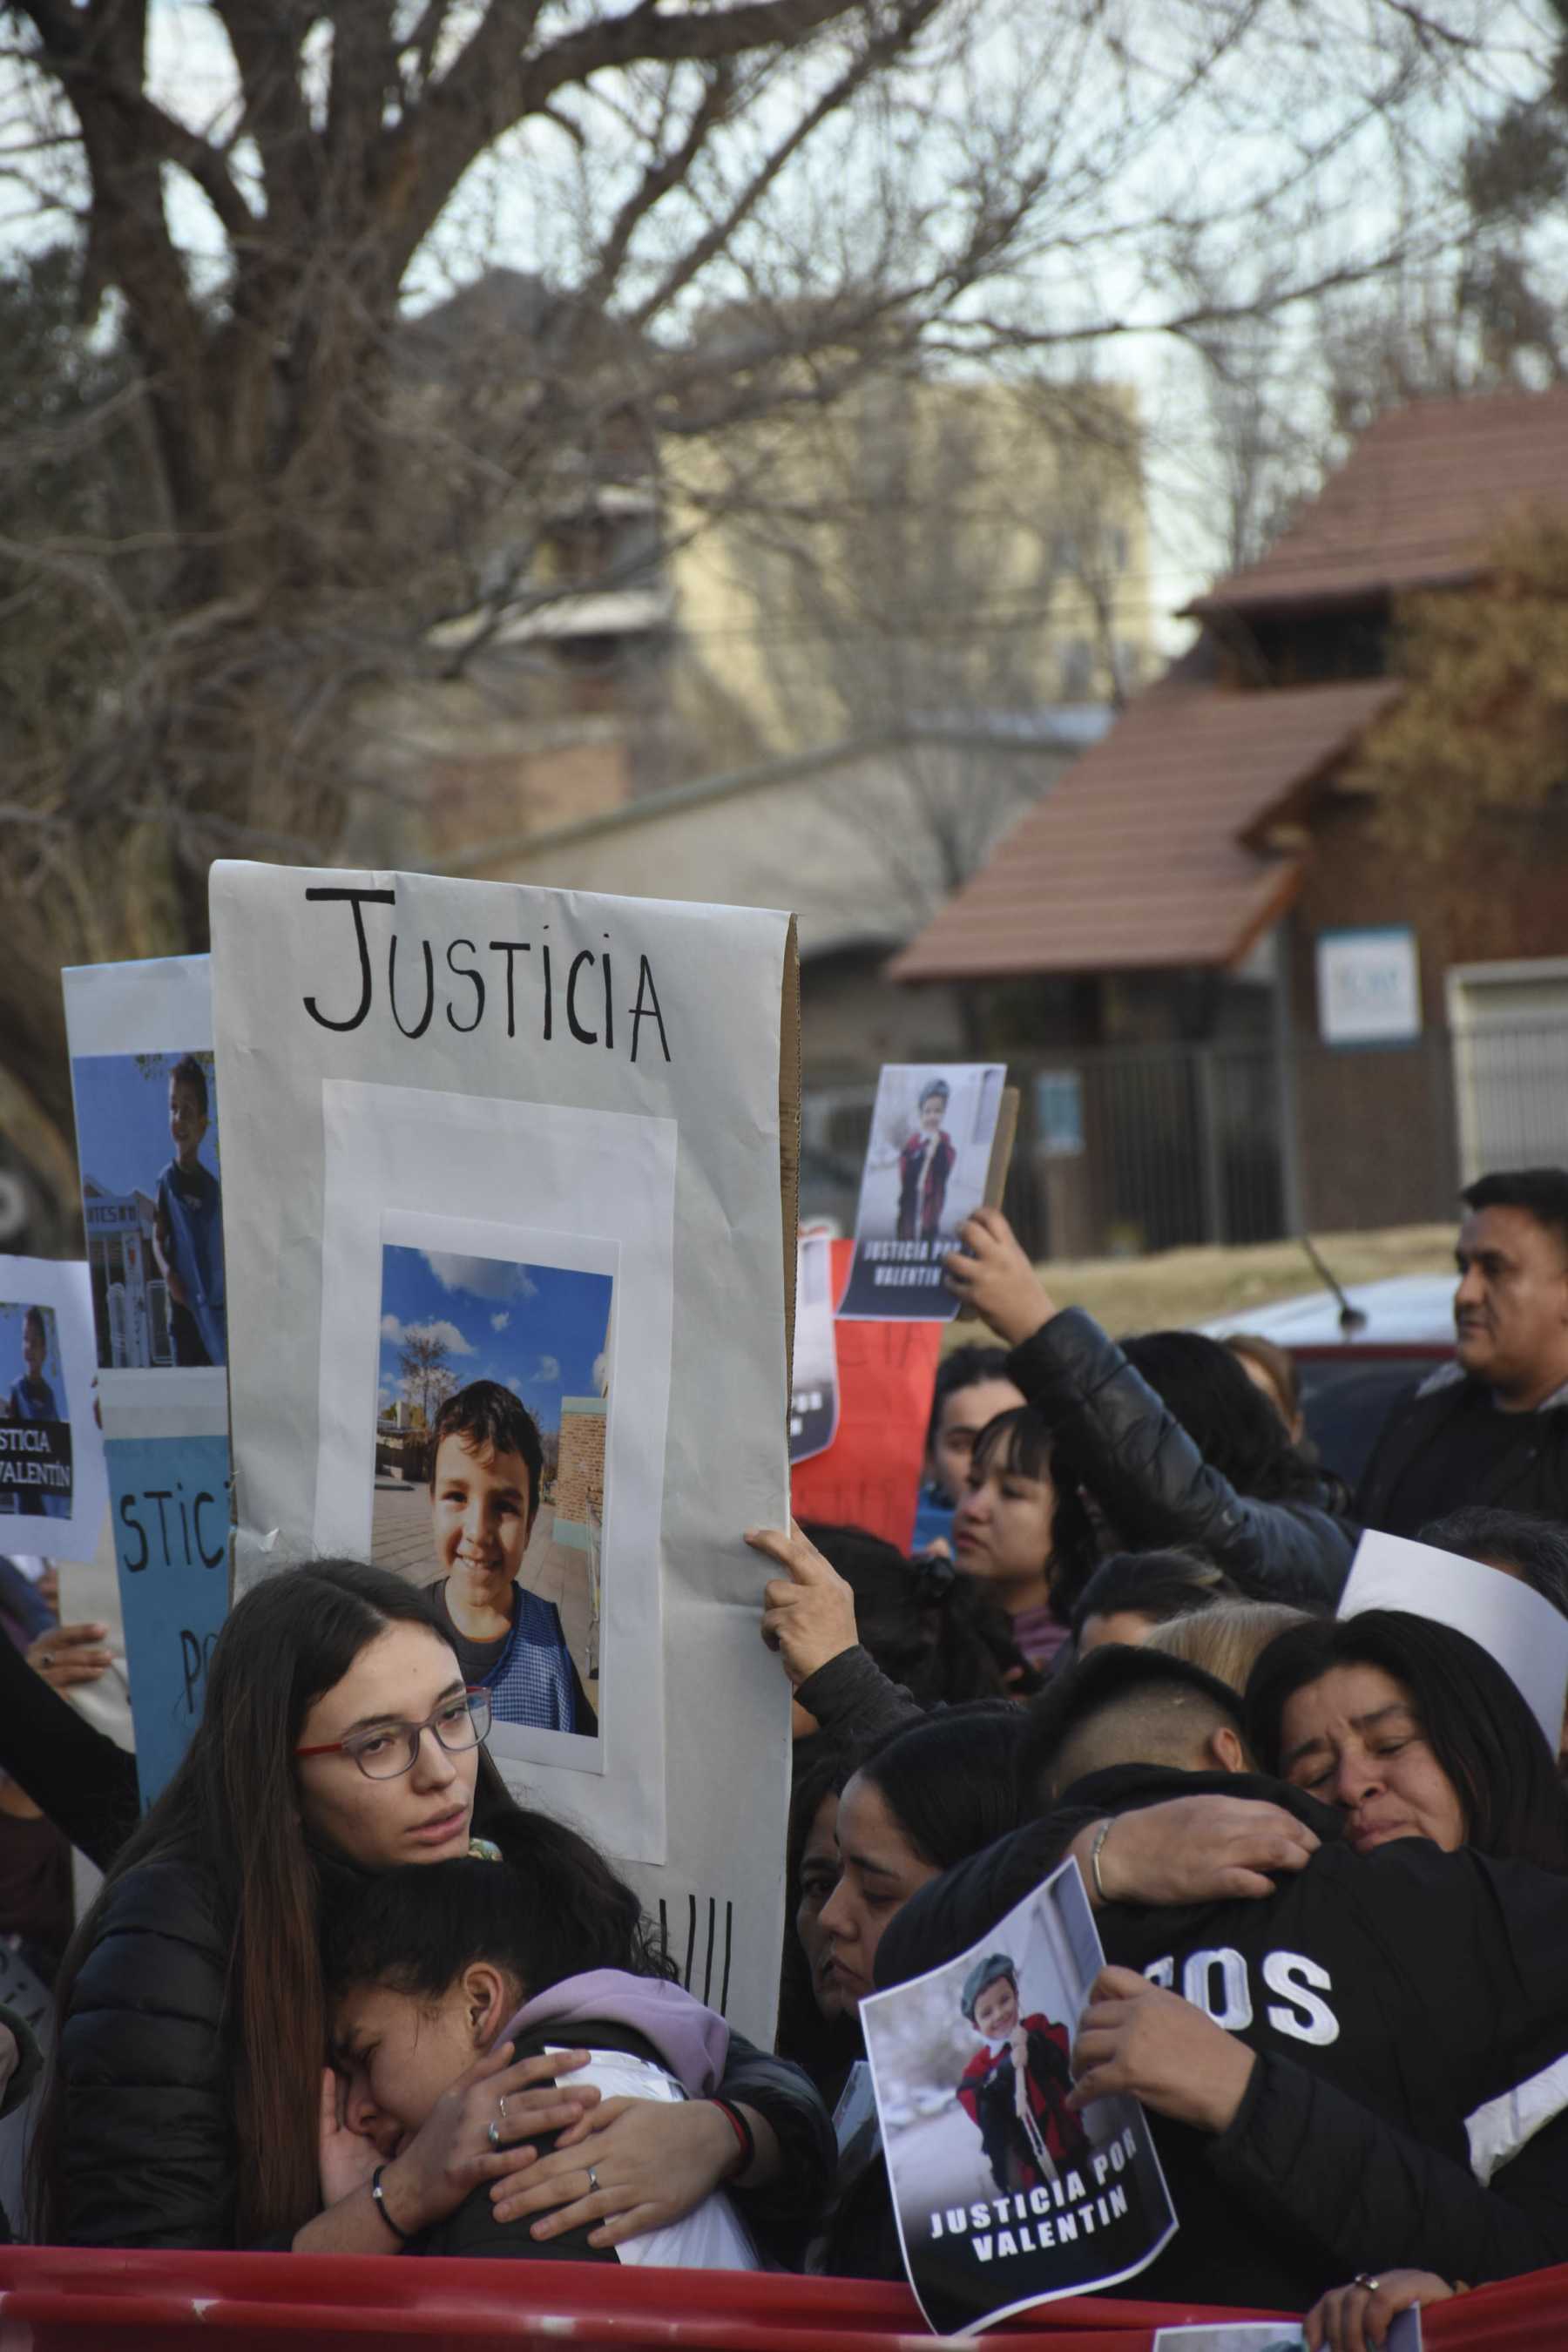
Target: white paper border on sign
{"type": "Point", "coordinates": [65, 1287]}
{"type": "Point", "coordinates": [1514, 1623]}
{"type": "Point", "coordinates": [551, 1178]}
{"type": "Point", "coordinates": [349, 1339]}
{"type": "Point", "coordinates": [161, 1005]}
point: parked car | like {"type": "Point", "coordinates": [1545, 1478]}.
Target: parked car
{"type": "Point", "coordinates": [1356, 1368]}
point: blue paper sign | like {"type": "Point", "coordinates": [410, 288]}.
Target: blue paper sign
{"type": "Point", "coordinates": [170, 1504]}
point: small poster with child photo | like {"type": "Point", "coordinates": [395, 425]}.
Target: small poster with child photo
{"type": "Point", "coordinates": [51, 1451]}
{"type": "Point", "coordinates": [491, 1448]}
{"type": "Point", "coordinates": [927, 1164]}
{"type": "Point", "coordinates": [1007, 2194]}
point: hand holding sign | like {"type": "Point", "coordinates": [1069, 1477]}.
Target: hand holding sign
{"type": "Point", "coordinates": [993, 1275]}
{"type": "Point", "coordinates": [808, 1615]}
{"type": "Point", "coordinates": [1136, 2039]}
{"type": "Point", "coordinates": [1359, 2317]}
{"type": "Point", "coordinates": [68, 1655]}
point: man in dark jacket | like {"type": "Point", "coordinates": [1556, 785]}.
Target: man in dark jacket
{"type": "Point", "coordinates": [1493, 1427]}
{"type": "Point", "coordinates": [1395, 2079]}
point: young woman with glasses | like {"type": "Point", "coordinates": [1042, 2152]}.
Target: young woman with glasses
{"type": "Point", "coordinates": [188, 2100]}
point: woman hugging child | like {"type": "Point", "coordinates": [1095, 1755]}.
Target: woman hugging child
{"type": "Point", "coordinates": [431, 1967]}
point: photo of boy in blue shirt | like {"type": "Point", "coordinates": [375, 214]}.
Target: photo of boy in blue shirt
{"type": "Point", "coordinates": [32, 1397]}
{"type": "Point", "coordinates": [487, 1467]}
{"type": "Point", "coordinates": [188, 1232]}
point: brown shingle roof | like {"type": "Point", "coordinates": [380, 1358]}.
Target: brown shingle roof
{"type": "Point", "coordinates": [1414, 503]}
{"type": "Point", "coordinates": [1138, 857]}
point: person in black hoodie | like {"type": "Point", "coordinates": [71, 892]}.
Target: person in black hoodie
{"type": "Point", "coordinates": [187, 2103]}
{"type": "Point", "coordinates": [1306, 2131]}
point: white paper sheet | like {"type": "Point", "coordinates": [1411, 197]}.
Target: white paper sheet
{"type": "Point", "coordinates": [1514, 1622]}
{"type": "Point", "coordinates": [388, 1146]}
{"type": "Point", "coordinates": [567, 1065]}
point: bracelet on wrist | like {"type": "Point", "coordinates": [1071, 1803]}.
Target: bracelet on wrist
{"type": "Point", "coordinates": [743, 2131]}
{"type": "Point", "coordinates": [1101, 1834]}
{"type": "Point", "coordinates": [378, 2199]}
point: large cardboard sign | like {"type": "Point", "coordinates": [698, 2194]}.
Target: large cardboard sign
{"type": "Point", "coordinates": [1005, 2195]}
{"type": "Point", "coordinates": [143, 1075]}
{"type": "Point", "coordinates": [927, 1166]}
{"type": "Point", "coordinates": [506, 1226]}
{"type": "Point", "coordinates": [52, 1491]}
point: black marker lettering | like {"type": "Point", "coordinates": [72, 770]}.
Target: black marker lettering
{"type": "Point", "coordinates": [358, 900]}
{"type": "Point", "coordinates": [184, 1524]}
{"type": "Point", "coordinates": [548, 1007]}
{"type": "Point", "coordinates": [584, 1036]}
{"type": "Point", "coordinates": [130, 1520]}
{"type": "Point", "coordinates": [610, 1002]}
{"type": "Point", "coordinates": [161, 1494]}
{"type": "Point", "coordinates": [468, 972]}
{"type": "Point", "coordinates": [507, 948]}
{"type": "Point", "coordinates": [648, 1012]}
{"type": "Point", "coordinates": [208, 1558]}
{"type": "Point", "coordinates": [424, 1023]}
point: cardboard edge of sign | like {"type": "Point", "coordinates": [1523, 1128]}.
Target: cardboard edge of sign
{"type": "Point", "coordinates": [789, 1136]}
{"type": "Point", "coordinates": [996, 1171]}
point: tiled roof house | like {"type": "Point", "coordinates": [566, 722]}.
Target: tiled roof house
{"type": "Point", "coordinates": [1207, 833]}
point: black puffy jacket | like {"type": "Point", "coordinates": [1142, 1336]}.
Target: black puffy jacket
{"type": "Point", "coordinates": [1154, 1486]}
{"type": "Point", "coordinates": [149, 2152]}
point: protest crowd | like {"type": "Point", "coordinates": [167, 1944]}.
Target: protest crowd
{"type": "Point", "coordinates": [321, 2000]}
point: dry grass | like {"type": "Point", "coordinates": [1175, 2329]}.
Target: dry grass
{"type": "Point", "coordinates": [1189, 1285]}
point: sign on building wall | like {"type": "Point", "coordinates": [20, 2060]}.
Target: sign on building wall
{"type": "Point", "coordinates": [1369, 986]}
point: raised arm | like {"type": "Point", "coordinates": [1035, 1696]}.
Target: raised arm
{"type": "Point", "coordinates": [1125, 1446]}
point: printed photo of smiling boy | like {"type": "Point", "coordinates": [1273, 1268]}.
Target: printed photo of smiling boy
{"type": "Point", "coordinates": [487, 1472]}
{"type": "Point", "coordinates": [491, 1431]}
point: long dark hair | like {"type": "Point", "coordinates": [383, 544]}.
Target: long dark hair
{"type": "Point", "coordinates": [232, 1811]}
{"type": "Point", "coordinates": [1228, 1417]}
{"type": "Point", "coordinates": [826, 2047]}
{"type": "Point", "coordinates": [937, 1632]}
{"type": "Point", "coordinates": [1158, 1585]}
{"type": "Point", "coordinates": [951, 1781]}
{"type": "Point", "coordinates": [417, 1928]}
{"type": "Point", "coordinates": [1475, 1720]}
{"type": "Point", "coordinates": [1021, 1440]}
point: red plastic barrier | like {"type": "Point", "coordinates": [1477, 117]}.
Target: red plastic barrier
{"type": "Point", "coordinates": [54, 2300]}
{"type": "Point", "coordinates": [870, 1474]}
